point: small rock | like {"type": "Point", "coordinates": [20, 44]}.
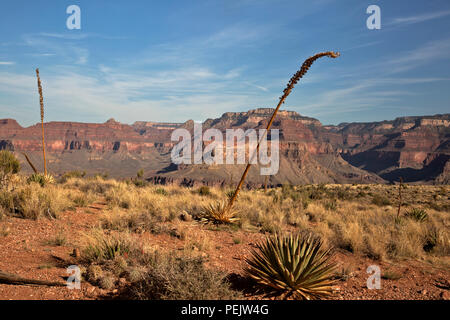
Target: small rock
{"type": "Point", "coordinates": [76, 253]}
{"type": "Point", "coordinates": [184, 216]}
{"type": "Point", "coordinates": [422, 291]}
{"type": "Point", "coordinates": [445, 295]}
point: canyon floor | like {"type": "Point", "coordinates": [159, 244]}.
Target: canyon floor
{"type": "Point", "coordinates": [354, 219]}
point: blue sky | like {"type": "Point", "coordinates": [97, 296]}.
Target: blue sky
{"type": "Point", "coordinates": [180, 60]}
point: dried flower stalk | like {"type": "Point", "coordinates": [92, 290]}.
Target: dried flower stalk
{"type": "Point", "coordinates": [41, 101]}
{"type": "Point", "coordinates": [292, 82]}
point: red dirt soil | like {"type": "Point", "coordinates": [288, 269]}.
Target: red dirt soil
{"type": "Point", "coordinates": [26, 250]}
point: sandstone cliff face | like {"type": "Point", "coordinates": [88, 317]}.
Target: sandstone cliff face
{"type": "Point", "coordinates": [415, 148]}
{"type": "Point", "coordinates": [406, 147]}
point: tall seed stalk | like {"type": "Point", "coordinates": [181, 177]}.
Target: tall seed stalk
{"type": "Point", "coordinates": [41, 101]}
{"type": "Point", "coordinates": [292, 82]}
{"type": "Point", "coordinates": [400, 186]}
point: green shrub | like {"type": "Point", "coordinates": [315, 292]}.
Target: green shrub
{"type": "Point", "coordinates": [204, 191]}
{"type": "Point", "coordinates": [330, 205]}
{"type": "Point", "coordinates": [161, 191]}
{"type": "Point", "coordinates": [380, 201]}
{"type": "Point", "coordinates": [140, 183]}
{"type": "Point", "coordinates": [344, 194]}
{"type": "Point", "coordinates": [72, 174]}
{"type": "Point", "coordinates": [9, 165]}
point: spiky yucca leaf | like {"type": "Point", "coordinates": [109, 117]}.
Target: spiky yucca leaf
{"type": "Point", "coordinates": [294, 265]}
{"type": "Point", "coordinates": [42, 179]}
{"type": "Point", "coordinates": [218, 213]}
{"type": "Point", "coordinates": [419, 215]}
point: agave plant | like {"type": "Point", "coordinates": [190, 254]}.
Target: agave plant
{"type": "Point", "coordinates": [42, 179]}
{"type": "Point", "coordinates": [218, 213]}
{"type": "Point", "coordinates": [419, 215]}
{"type": "Point", "coordinates": [294, 265]}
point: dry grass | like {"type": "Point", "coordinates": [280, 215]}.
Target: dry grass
{"type": "Point", "coordinates": [31, 201]}
{"type": "Point", "coordinates": [344, 216]}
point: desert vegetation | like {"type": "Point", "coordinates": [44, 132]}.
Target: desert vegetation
{"type": "Point", "coordinates": [120, 250]}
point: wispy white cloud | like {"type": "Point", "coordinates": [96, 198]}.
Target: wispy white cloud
{"type": "Point", "coordinates": [6, 63]}
{"type": "Point", "coordinates": [42, 54]}
{"type": "Point", "coordinates": [68, 50]}
{"type": "Point", "coordinates": [419, 18]}
{"type": "Point", "coordinates": [80, 36]}
{"type": "Point", "coordinates": [357, 96]}
{"type": "Point", "coordinates": [360, 46]}
{"type": "Point", "coordinates": [427, 53]}
{"type": "Point", "coordinates": [129, 96]}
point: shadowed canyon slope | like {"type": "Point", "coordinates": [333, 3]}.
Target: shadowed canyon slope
{"type": "Point", "coordinates": [414, 148]}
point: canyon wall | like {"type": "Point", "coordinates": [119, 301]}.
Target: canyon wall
{"type": "Point", "coordinates": [414, 148]}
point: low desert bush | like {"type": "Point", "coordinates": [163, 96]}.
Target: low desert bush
{"type": "Point", "coordinates": [380, 200]}
{"type": "Point", "coordinates": [101, 247]}
{"type": "Point", "coordinates": [9, 165]}
{"type": "Point", "coordinates": [204, 191]}
{"type": "Point", "coordinates": [32, 201]}
{"type": "Point", "coordinates": [136, 222]}
{"type": "Point", "coordinates": [71, 174]}
{"type": "Point", "coordinates": [169, 277]}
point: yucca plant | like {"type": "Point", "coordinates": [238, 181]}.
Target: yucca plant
{"type": "Point", "coordinates": [293, 265]}
{"type": "Point", "coordinates": [419, 215]}
{"type": "Point", "coordinates": [218, 213]}
{"type": "Point", "coordinates": [42, 179]}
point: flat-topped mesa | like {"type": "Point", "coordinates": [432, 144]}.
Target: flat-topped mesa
{"type": "Point", "coordinates": [396, 125]}
{"type": "Point", "coordinates": [257, 116]}
{"type": "Point", "coordinates": [9, 123]}
{"type": "Point", "coordinates": [157, 125]}
{"type": "Point", "coordinates": [9, 128]}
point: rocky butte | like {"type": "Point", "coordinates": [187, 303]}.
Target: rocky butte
{"type": "Point", "coordinates": [414, 148]}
